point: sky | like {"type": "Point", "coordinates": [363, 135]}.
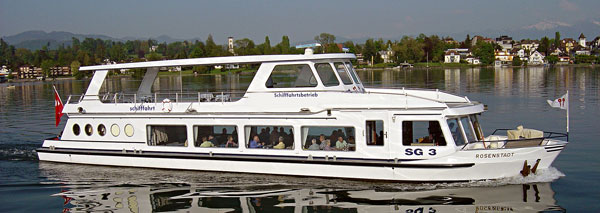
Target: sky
{"type": "Point", "coordinates": [300, 20]}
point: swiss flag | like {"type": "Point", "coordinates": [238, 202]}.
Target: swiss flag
{"type": "Point", "coordinates": [58, 106]}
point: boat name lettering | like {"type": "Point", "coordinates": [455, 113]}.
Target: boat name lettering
{"type": "Point", "coordinates": [142, 108]}
{"type": "Point", "coordinates": [494, 208]}
{"type": "Point", "coordinates": [421, 210]}
{"type": "Point", "coordinates": [296, 95]}
{"type": "Point", "coordinates": [410, 151]}
{"type": "Point", "coordinates": [495, 155]}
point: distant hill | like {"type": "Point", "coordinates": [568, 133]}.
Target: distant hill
{"type": "Point", "coordinates": [36, 39]}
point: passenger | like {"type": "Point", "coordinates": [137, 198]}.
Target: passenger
{"type": "Point", "coordinates": [351, 143]}
{"type": "Point", "coordinates": [322, 143]}
{"type": "Point", "coordinates": [314, 145]}
{"type": "Point", "coordinates": [341, 144]}
{"type": "Point", "coordinates": [206, 143]}
{"type": "Point", "coordinates": [274, 137]}
{"type": "Point", "coordinates": [280, 145]}
{"type": "Point", "coordinates": [255, 143]}
{"type": "Point", "coordinates": [222, 139]}
{"type": "Point", "coordinates": [341, 133]}
{"type": "Point", "coordinates": [234, 134]}
{"type": "Point", "coordinates": [333, 136]}
{"type": "Point", "coordinates": [327, 146]}
{"type": "Point", "coordinates": [212, 139]}
{"type": "Point", "coordinates": [379, 138]}
{"type": "Point", "coordinates": [230, 142]}
{"type": "Point", "coordinates": [264, 134]}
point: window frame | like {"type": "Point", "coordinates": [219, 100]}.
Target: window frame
{"type": "Point", "coordinates": [148, 137]}
{"type": "Point", "coordinates": [195, 136]}
{"type": "Point", "coordinates": [270, 79]}
{"type": "Point", "coordinates": [427, 144]}
{"type": "Point", "coordinates": [303, 144]}
{"type": "Point", "coordinates": [345, 72]}
{"type": "Point", "coordinates": [367, 140]}
{"type": "Point", "coordinates": [321, 77]}
{"type": "Point", "coordinates": [247, 134]}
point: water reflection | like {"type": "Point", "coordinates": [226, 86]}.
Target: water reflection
{"type": "Point", "coordinates": [97, 188]}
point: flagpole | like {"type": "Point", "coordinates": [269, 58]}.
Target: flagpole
{"type": "Point", "coordinates": [568, 115]}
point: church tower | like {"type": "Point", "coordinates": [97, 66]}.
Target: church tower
{"type": "Point", "coordinates": [582, 40]}
{"type": "Point", "coordinates": [230, 45]}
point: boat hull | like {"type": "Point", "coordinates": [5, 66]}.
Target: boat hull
{"type": "Point", "coordinates": [461, 166]}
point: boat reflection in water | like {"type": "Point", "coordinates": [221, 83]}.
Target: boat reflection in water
{"type": "Point", "coordinates": [98, 188]}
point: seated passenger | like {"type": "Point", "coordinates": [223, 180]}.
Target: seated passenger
{"type": "Point", "coordinates": [327, 146]}
{"type": "Point", "coordinates": [341, 144]}
{"type": "Point", "coordinates": [212, 139]}
{"type": "Point", "coordinates": [230, 142]}
{"type": "Point", "coordinates": [322, 143]}
{"type": "Point", "coordinates": [206, 143]}
{"type": "Point", "coordinates": [314, 145]}
{"type": "Point", "coordinates": [255, 143]}
{"type": "Point", "coordinates": [280, 145]}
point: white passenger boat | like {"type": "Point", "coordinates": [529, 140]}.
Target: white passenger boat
{"type": "Point", "coordinates": [302, 115]}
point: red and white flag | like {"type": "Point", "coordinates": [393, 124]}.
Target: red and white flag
{"type": "Point", "coordinates": [58, 107]}
{"type": "Point", "coordinates": [562, 102]}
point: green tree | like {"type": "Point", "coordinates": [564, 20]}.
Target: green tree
{"type": "Point", "coordinates": [75, 70]}
{"type": "Point", "coordinates": [544, 45]}
{"type": "Point", "coordinates": [517, 61]}
{"type": "Point", "coordinates": [284, 46]}
{"type": "Point", "coordinates": [245, 46]}
{"type": "Point", "coordinates": [267, 46]}
{"type": "Point", "coordinates": [485, 52]}
{"type": "Point", "coordinates": [326, 40]}
{"type": "Point", "coordinates": [369, 51]}
{"type": "Point", "coordinates": [410, 50]}
{"type": "Point", "coordinates": [46, 65]}
{"type": "Point", "coordinates": [153, 56]}
{"type": "Point", "coordinates": [557, 39]}
{"type": "Point", "coordinates": [552, 59]}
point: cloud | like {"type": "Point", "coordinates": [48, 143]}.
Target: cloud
{"type": "Point", "coordinates": [596, 22]}
{"type": "Point", "coordinates": [568, 6]}
{"type": "Point", "coordinates": [546, 25]}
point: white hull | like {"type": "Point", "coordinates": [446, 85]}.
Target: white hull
{"type": "Point", "coordinates": [440, 169]}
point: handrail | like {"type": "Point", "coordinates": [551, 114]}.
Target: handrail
{"type": "Point", "coordinates": [551, 135]}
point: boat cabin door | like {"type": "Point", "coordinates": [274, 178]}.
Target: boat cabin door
{"type": "Point", "coordinates": [420, 137]}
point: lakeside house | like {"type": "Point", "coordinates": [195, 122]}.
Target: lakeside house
{"type": "Point", "coordinates": [387, 55]}
{"type": "Point", "coordinates": [505, 42]}
{"type": "Point", "coordinates": [37, 72]}
{"type": "Point", "coordinates": [535, 58]}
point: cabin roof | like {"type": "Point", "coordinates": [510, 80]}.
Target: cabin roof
{"type": "Point", "coordinates": [220, 60]}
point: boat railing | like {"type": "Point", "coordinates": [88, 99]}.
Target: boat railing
{"type": "Point", "coordinates": [514, 143]}
{"type": "Point", "coordinates": [158, 97]}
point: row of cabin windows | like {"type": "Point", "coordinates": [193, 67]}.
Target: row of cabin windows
{"type": "Point", "coordinates": [328, 138]}
{"type": "Point", "coordinates": [301, 75]}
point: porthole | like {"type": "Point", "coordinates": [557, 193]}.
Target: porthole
{"type": "Point", "coordinates": [89, 129]}
{"type": "Point", "coordinates": [101, 130]}
{"type": "Point", "coordinates": [76, 129]}
{"type": "Point", "coordinates": [129, 130]}
{"type": "Point", "coordinates": [114, 130]}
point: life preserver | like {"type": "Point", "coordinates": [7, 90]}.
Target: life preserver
{"type": "Point", "coordinates": [167, 106]}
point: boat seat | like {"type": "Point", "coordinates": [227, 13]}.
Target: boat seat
{"type": "Point", "coordinates": [204, 97]}
{"type": "Point", "coordinates": [220, 98]}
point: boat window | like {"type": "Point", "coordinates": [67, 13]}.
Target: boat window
{"type": "Point", "coordinates": [114, 130]}
{"type": "Point", "coordinates": [293, 75]}
{"type": "Point", "coordinates": [352, 73]}
{"type": "Point", "coordinates": [467, 129]}
{"type": "Point", "coordinates": [216, 136]}
{"type": "Point", "coordinates": [101, 130]}
{"type": "Point", "coordinates": [128, 130]}
{"type": "Point", "coordinates": [457, 135]}
{"type": "Point", "coordinates": [269, 137]}
{"type": "Point", "coordinates": [326, 74]}
{"type": "Point", "coordinates": [341, 70]}
{"type": "Point", "coordinates": [477, 127]}
{"type": "Point", "coordinates": [88, 129]}
{"type": "Point", "coordinates": [161, 135]}
{"type": "Point", "coordinates": [374, 133]}
{"type": "Point", "coordinates": [76, 129]}
{"type": "Point", "coordinates": [422, 133]}
{"type": "Point", "coordinates": [328, 138]}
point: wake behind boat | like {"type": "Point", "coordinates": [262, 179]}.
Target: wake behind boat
{"type": "Point", "coordinates": [302, 115]}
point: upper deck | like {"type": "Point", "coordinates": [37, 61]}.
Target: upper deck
{"type": "Point", "coordinates": [289, 83]}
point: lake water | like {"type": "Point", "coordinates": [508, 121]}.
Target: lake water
{"type": "Point", "coordinates": [513, 96]}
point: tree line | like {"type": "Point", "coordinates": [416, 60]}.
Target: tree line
{"type": "Point", "coordinates": [95, 51]}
